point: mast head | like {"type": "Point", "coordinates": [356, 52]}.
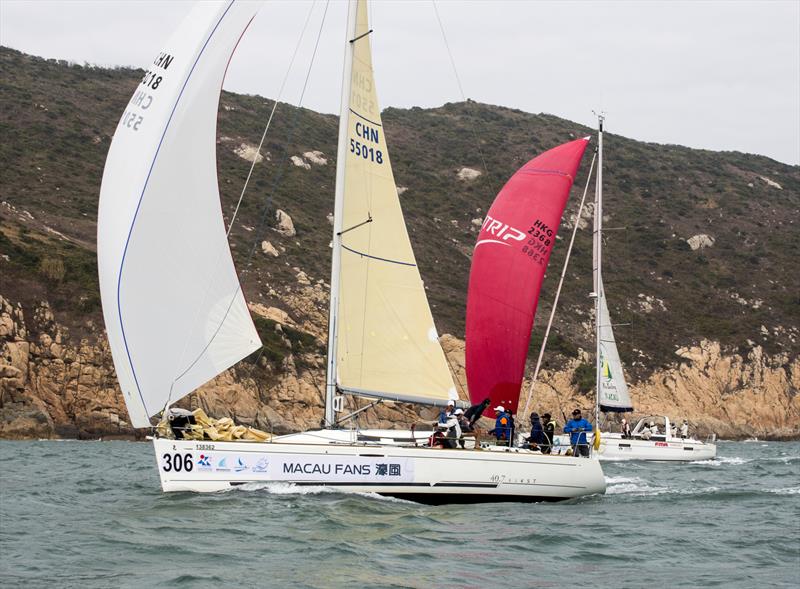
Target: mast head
{"type": "Point", "coordinates": [601, 116]}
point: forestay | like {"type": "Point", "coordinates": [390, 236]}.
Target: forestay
{"type": "Point", "coordinates": [172, 304]}
{"type": "Point", "coordinates": [386, 342]}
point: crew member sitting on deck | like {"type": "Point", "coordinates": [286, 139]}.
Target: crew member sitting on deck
{"type": "Point", "coordinates": [626, 428]}
{"type": "Point", "coordinates": [466, 426]}
{"type": "Point", "coordinates": [445, 413]}
{"type": "Point", "coordinates": [451, 430]}
{"type": "Point", "coordinates": [463, 425]}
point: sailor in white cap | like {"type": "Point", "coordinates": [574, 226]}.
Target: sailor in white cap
{"type": "Point", "coordinates": [502, 425]}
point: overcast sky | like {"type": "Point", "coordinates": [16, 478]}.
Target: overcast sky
{"type": "Point", "coordinates": [717, 75]}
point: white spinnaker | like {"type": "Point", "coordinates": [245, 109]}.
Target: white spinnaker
{"type": "Point", "coordinates": [613, 389]}
{"type": "Point", "coordinates": [386, 344]}
{"type": "Point", "coordinates": [174, 311]}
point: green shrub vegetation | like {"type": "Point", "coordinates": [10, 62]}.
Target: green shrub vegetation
{"type": "Point", "coordinates": [57, 120]}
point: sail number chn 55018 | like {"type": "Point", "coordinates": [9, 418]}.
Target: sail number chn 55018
{"type": "Point", "coordinates": [361, 148]}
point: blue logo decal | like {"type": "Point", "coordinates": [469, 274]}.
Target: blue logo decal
{"type": "Point", "coordinates": [261, 465]}
{"type": "Point", "coordinates": [240, 465]}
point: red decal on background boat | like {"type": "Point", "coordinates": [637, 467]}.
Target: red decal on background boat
{"type": "Point", "coordinates": [508, 266]}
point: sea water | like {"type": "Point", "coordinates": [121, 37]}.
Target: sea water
{"type": "Point", "coordinates": [91, 514]}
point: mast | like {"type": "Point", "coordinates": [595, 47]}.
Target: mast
{"type": "Point", "coordinates": [341, 155]}
{"type": "Point", "coordinates": [598, 262]}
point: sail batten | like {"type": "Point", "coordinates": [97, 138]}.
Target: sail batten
{"type": "Point", "coordinates": [384, 339]}
{"type": "Point", "coordinates": [174, 311]}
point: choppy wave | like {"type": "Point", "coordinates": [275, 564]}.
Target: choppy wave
{"type": "Point", "coordinates": [721, 460]}
{"type": "Point", "coordinates": [787, 491]}
{"type": "Point", "coordinates": [292, 489]}
{"type": "Point", "coordinates": [286, 489]}
{"type": "Point", "coordinates": [643, 489]}
{"type": "Point", "coordinates": [617, 480]}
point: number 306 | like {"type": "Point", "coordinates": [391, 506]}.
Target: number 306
{"type": "Point", "coordinates": [178, 462]}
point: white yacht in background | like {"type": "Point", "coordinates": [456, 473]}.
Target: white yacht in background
{"type": "Point", "coordinates": [644, 445]}
{"type": "Point", "coordinates": [612, 391]}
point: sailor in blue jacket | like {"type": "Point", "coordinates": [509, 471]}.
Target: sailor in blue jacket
{"type": "Point", "coordinates": [445, 413]}
{"type": "Point", "coordinates": [577, 428]}
{"type": "Point", "coordinates": [502, 425]}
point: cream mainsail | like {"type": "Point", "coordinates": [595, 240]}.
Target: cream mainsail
{"type": "Point", "coordinates": [386, 342]}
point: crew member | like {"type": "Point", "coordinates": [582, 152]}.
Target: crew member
{"type": "Point", "coordinates": [626, 428]}
{"type": "Point", "coordinates": [445, 413]}
{"type": "Point", "coordinates": [473, 414]}
{"type": "Point", "coordinates": [577, 428]}
{"type": "Point", "coordinates": [451, 430]}
{"type": "Point", "coordinates": [463, 424]}
{"type": "Point", "coordinates": [536, 438]}
{"type": "Point", "coordinates": [502, 424]}
{"type": "Point", "coordinates": [549, 427]}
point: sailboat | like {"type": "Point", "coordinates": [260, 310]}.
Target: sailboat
{"type": "Point", "coordinates": [611, 389]}
{"type": "Point", "coordinates": [176, 315]}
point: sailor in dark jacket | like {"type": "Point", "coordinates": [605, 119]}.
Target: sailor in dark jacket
{"type": "Point", "coordinates": [549, 427]}
{"type": "Point", "coordinates": [474, 413]}
{"type": "Point", "coordinates": [536, 438]}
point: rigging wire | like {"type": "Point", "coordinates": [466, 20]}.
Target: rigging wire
{"type": "Point", "coordinates": [558, 290]}
{"type": "Point", "coordinates": [271, 115]}
{"type": "Point", "coordinates": [461, 90]}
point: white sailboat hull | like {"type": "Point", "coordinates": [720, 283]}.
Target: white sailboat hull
{"type": "Point", "coordinates": [426, 475]}
{"type": "Point", "coordinates": [615, 447]}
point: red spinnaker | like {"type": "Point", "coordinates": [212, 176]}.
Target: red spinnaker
{"type": "Point", "coordinates": [508, 266]}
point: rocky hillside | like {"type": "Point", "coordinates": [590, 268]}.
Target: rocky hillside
{"type": "Point", "coordinates": [701, 258]}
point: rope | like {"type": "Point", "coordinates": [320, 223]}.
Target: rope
{"type": "Point", "coordinates": [558, 290]}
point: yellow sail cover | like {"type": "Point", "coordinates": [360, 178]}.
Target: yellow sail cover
{"type": "Point", "coordinates": [387, 345]}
